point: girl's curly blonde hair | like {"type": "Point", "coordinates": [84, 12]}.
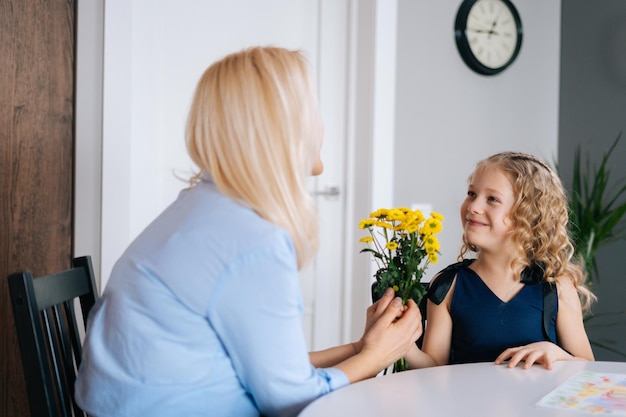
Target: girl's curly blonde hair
{"type": "Point", "coordinates": [540, 220]}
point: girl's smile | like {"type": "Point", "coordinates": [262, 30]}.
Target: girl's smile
{"type": "Point", "coordinates": [484, 213]}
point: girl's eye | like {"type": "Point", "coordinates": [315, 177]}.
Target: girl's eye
{"type": "Point", "coordinates": [471, 194]}
{"type": "Point", "coordinates": [495, 200]}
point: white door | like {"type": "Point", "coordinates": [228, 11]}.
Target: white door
{"type": "Point", "coordinates": [323, 283]}
{"type": "Point", "coordinates": [154, 53]}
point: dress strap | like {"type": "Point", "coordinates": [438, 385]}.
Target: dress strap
{"type": "Point", "coordinates": [534, 274]}
{"type": "Point", "coordinates": [439, 287]}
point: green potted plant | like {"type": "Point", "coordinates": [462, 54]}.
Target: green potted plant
{"type": "Point", "coordinates": [597, 210]}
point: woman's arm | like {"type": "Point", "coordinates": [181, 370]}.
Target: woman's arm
{"type": "Point", "coordinates": [330, 357]}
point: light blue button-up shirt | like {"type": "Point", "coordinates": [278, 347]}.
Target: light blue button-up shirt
{"type": "Point", "coordinates": [202, 316]}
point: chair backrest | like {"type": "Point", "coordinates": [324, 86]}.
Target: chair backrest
{"type": "Point", "coordinates": [48, 334]}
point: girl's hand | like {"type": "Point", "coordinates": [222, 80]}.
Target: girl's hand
{"type": "Point", "coordinates": [544, 353]}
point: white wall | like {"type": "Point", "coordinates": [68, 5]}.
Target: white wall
{"type": "Point", "coordinates": [448, 117]}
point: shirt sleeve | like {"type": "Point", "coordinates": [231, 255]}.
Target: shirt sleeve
{"type": "Point", "coordinates": [257, 313]}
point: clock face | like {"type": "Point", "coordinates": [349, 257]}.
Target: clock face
{"type": "Point", "coordinates": [488, 34]}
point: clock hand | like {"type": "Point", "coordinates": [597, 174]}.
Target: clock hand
{"type": "Point", "coordinates": [489, 32]}
{"type": "Point", "coordinates": [495, 22]}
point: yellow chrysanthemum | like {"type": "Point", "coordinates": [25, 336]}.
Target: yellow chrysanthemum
{"type": "Point", "coordinates": [412, 228]}
{"type": "Point", "coordinates": [395, 215]}
{"type": "Point", "coordinates": [433, 258]}
{"type": "Point", "coordinates": [431, 249]}
{"type": "Point", "coordinates": [392, 245]}
{"type": "Point", "coordinates": [436, 215]}
{"type": "Point", "coordinates": [381, 223]}
{"type": "Point", "coordinates": [366, 239]}
{"type": "Point", "coordinates": [431, 240]}
{"type": "Point", "coordinates": [366, 223]}
{"type": "Point", "coordinates": [379, 214]}
{"type": "Point", "coordinates": [409, 217]}
{"type": "Point", "coordinates": [432, 226]}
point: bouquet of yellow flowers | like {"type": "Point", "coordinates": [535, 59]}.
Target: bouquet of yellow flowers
{"type": "Point", "coordinates": [403, 243]}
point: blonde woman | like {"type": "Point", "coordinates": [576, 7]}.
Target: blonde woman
{"type": "Point", "coordinates": [521, 300]}
{"type": "Point", "coordinates": [202, 315]}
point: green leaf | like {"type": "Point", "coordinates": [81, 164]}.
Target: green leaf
{"type": "Point", "coordinates": [596, 210]}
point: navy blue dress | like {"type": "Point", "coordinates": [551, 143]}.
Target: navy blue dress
{"type": "Point", "coordinates": [483, 325]}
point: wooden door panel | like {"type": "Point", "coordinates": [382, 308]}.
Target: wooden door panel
{"type": "Point", "coordinates": [37, 45]}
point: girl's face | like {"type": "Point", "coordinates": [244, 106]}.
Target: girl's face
{"type": "Point", "coordinates": [484, 213]}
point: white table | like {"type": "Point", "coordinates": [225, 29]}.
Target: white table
{"type": "Point", "coordinates": [479, 389]}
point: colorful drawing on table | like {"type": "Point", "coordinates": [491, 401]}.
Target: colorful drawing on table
{"type": "Point", "coordinates": [590, 392]}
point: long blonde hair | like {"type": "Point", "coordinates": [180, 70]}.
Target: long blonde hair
{"type": "Point", "coordinates": [540, 219]}
{"type": "Point", "coordinates": [255, 128]}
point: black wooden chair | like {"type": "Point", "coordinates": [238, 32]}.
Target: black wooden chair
{"type": "Point", "coordinates": [48, 334]}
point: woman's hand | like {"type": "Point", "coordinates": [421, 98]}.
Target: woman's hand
{"type": "Point", "coordinates": [545, 353]}
{"type": "Point", "coordinates": [332, 356]}
{"type": "Point", "coordinates": [373, 313]}
{"type": "Point", "coordinates": [392, 328]}
{"type": "Point", "coordinates": [376, 310]}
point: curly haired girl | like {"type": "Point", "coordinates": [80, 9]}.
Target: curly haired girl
{"type": "Point", "coordinates": [496, 306]}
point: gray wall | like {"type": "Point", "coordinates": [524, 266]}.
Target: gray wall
{"type": "Point", "coordinates": [449, 117]}
{"type": "Point", "coordinates": [592, 113]}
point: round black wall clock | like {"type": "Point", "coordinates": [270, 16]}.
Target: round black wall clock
{"type": "Point", "coordinates": [488, 34]}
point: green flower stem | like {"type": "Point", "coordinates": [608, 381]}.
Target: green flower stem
{"type": "Point", "coordinates": [400, 365]}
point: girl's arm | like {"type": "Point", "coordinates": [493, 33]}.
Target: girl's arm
{"type": "Point", "coordinates": [417, 359]}
{"type": "Point", "coordinates": [437, 336]}
{"type": "Point", "coordinates": [570, 332]}
{"type": "Point", "coordinates": [570, 329]}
